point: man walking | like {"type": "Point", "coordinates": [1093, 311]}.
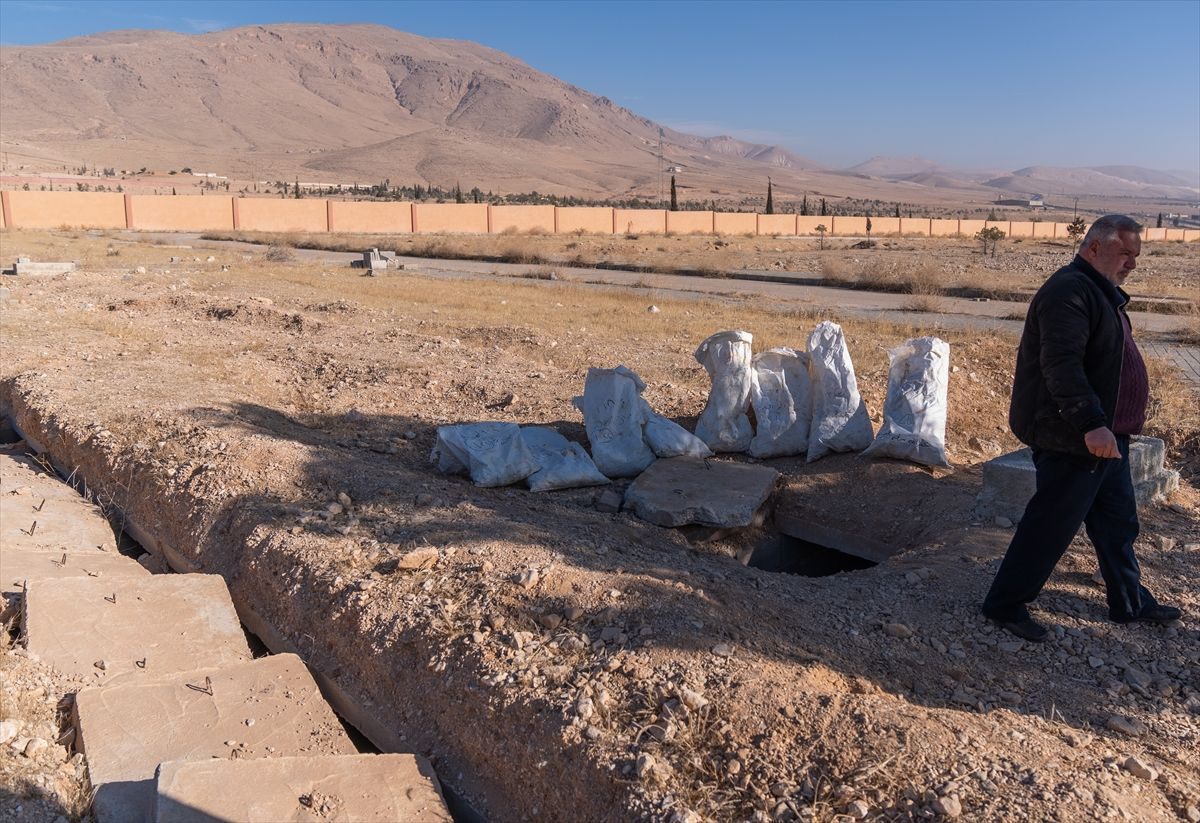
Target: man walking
{"type": "Point", "coordinates": [1079, 392]}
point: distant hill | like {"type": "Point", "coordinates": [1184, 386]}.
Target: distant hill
{"type": "Point", "coordinates": [363, 103]}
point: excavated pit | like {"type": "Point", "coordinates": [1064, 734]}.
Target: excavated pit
{"type": "Point", "coordinates": [793, 555]}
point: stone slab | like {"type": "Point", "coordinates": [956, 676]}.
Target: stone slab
{"type": "Point", "coordinates": [1010, 479]}
{"type": "Point", "coordinates": [19, 568]}
{"type": "Point", "coordinates": [682, 491]}
{"type": "Point", "coordinates": [29, 494]}
{"type": "Point", "coordinates": [30, 267]}
{"type": "Point", "coordinates": [141, 627]}
{"type": "Point", "coordinates": [269, 707]}
{"type": "Point", "coordinates": [366, 788]}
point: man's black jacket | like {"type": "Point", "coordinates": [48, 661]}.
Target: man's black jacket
{"type": "Point", "coordinates": [1069, 362]}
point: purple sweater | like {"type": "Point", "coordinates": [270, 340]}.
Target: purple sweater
{"type": "Point", "coordinates": [1134, 392]}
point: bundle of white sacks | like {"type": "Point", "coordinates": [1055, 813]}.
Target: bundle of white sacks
{"type": "Point", "coordinates": [804, 402]}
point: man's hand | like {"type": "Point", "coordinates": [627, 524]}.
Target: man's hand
{"type": "Point", "coordinates": [1102, 443]}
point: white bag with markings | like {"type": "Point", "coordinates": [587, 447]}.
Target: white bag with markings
{"type": "Point", "coordinates": [492, 453]}
{"type": "Point", "coordinates": [614, 415]}
{"type": "Point", "coordinates": [724, 425]}
{"type": "Point", "coordinates": [667, 438]}
{"type": "Point", "coordinates": [563, 464]}
{"type": "Point", "coordinates": [914, 413]}
{"type": "Point", "coordinates": [782, 400]}
{"type": "Point", "coordinates": [839, 422]}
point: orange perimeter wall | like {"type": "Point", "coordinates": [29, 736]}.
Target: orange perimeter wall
{"type": "Point", "coordinates": [849, 225]}
{"type": "Point", "coordinates": [690, 222]}
{"type": "Point", "coordinates": [263, 214]}
{"type": "Point", "coordinates": [729, 222]}
{"type": "Point", "coordinates": [370, 218]}
{"type": "Point", "coordinates": [641, 221]}
{"type": "Point", "coordinates": [538, 219]}
{"type": "Point", "coordinates": [777, 224]}
{"type": "Point", "coordinates": [51, 209]}
{"type": "Point", "coordinates": [916, 226]}
{"type": "Point", "coordinates": [585, 219]}
{"type": "Point", "coordinates": [431, 218]}
{"type": "Point", "coordinates": [807, 224]}
{"type": "Point", "coordinates": [885, 225]}
{"type": "Point", "coordinates": [150, 212]}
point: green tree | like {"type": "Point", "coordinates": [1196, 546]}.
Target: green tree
{"type": "Point", "coordinates": [868, 229]}
{"type": "Point", "coordinates": [824, 208]}
{"type": "Point", "coordinates": [804, 204]}
{"type": "Point", "coordinates": [296, 190]}
{"type": "Point", "coordinates": [458, 195]}
{"type": "Point", "coordinates": [1158, 225]}
{"type": "Point", "coordinates": [674, 195]}
{"type": "Point", "coordinates": [993, 217]}
{"type": "Point", "coordinates": [770, 198]}
{"type": "Point", "coordinates": [897, 209]}
{"type": "Point", "coordinates": [989, 236]}
{"type": "Point", "coordinates": [821, 234]}
{"type": "Point", "coordinates": [1076, 229]}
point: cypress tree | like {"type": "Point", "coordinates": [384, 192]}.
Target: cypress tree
{"type": "Point", "coordinates": [674, 197]}
{"type": "Point", "coordinates": [824, 208]}
{"type": "Point", "coordinates": [804, 204]}
{"type": "Point", "coordinates": [770, 198]}
{"type": "Point", "coordinates": [1158, 225]}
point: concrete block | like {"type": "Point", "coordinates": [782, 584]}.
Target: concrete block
{"type": "Point", "coordinates": [19, 568]}
{"type": "Point", "coordinates": [142, 627]}
{"type": "Point", "coordinates": [682, 491]}
{"type": "Point", "coordinates": [385, 788]}
{"type": "Point", "coordinates": [23, 266]}
{"type": "Point", "coordinates": [1010, 479]}
{"type": "Point", "coordinates": [269, 707]}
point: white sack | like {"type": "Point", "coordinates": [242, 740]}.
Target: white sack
{"type": "Point", "coordinates": [492, 453]}
{"type": "Point", "coordinates": [564, 465]}
{"type": "Point", "coordinates": [613, 415]}
{"type": "Point", "coordinates": [782, 401]}
{"type": "Point", "coordinates": [667, 438]}
{"type": "Point", "coordinates": [914, 413]}
{"type": "Point", "coordinates": [839, 421]}
{"type": "Point", "coordinates": [724, 424]}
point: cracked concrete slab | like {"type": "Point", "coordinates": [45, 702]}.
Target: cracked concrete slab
{"type": "Point", "coordinates": [269, 707]}
{"type": "Point", "coordinates": [18, 568]}
{"type": "Point", "coordinates": [378, 788]}
{"type": "Point", "coordinates": [139, 627]}
{"type": "Point", "coordinates": [683, 491]}
{"type": "Point", "coordinates": [39, 511]}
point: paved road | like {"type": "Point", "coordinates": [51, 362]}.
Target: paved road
{"type": "Point", "coordinates": [954, 312]}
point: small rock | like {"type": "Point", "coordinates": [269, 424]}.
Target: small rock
{"type": "Point", "coordinates": [1137, 768]}
{"type": "Point", "coordinates": [692, 699]}
{"type": "Point", "coordinates": [422, 500]}
{"type": "Point", "coordinates": [1095, 662]}
{"type": "Point", "coordinates": [1126, 725]}
{"type": "Point", "coordinates": [526, 579]}
{"type": "Point", "coordinates": [8, 730]}
{"type": "Point", "coordinates": [1098, 578]}
{"type": "Point", "coordinates": [102, 665]}
{"type": "Point", "coordinates": [140, 270]}
{"type": "Point", "coordinates": [1192, 813]}
{"type": "Point", "coordinates": [1003, 522]}
{"type": "Point", "coordinates": [610, 634]}
{"type": "Point", "coordinates": [334, 508]}
{"type": "Point", "coordinates": [780, 789]}
{"type": "Point", "coordinates": [38, 745]}
{"type": "Point", "coordinates": [210, 259]}
{"type": "Point", "coordinates": [609, 501]}
{"type": "Point", "coordinates": [573, 613]}
{"type": "Point", "coordinates": [653, 309]}
{"type": "Point", "coordinates": [410, 435]}
{"type": "Point", "coordinates": [344, 499]}
{"type": "Point", "coordinates": [418, 559]}
{"type": "Point", "coordinates": [858, 809]}
{"type": "Point", "coordinates": [948, 806]}
{"type": "Point", "coordinates": [645, 764]}
{"type": "Point", "coordinates": [1011, 645]}
{"type": "Point", "coordinates": [550, 620]}
{"type": "Point", "coordinates": [897, 630]}
{"type": "Point", "coordinates": [722, 650]}
{"type": "Point", "coordinates": [1137, 677]}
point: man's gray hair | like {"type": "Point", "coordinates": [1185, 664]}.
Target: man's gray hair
{"type": "Point", "coordinates": [1108, 227]}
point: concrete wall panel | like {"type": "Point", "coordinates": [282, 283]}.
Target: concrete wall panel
{"type": "Point", "coordinates": [450, 218]}
{"type": "Point", "coordinates": [585, 219]}
{"type": "Point", "coordinates": [885, 225]}
{"type": "Point", "coordinates": [370, 218]}
{"type": "Point", "coordinates": [524, 219]}
{"type": "Point", "coordinates": [1020, 228]}
{"type": "Point", "coordinates": [847, 226]}
{"type": "Point", "coordinates": [186, 213]}
{"type": "Point", "coordinates": [969, 228]}
{"type": "Point", "coordinates": [1049, 230]}
{"type": "Point", "coordinates": [807, 224]}
{"type": "Point", "coordinates": [266, 214]}
{"type": "Point", "coordinates": [735, 223]}
{"type": "Point", "coordinates": [1152, 233]}
{"type": "Point", "coordinates": [1191, 234]}
{"type": "Point", "coordinates": [777, 224]}
{"type": "Point", "coordinates": [641, 221]}
{"type": "Point", "coordinates": [51, 209]}
{"type": "Point", "coordinates": [916, 226]}
{"type": "Point", "coordinates": [943, 228]}
{"type": "Point", "coordinates": [690, 222]}
{"type": "Point", "coordinates": [1176, 234]}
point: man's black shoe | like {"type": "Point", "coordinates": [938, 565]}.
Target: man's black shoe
{"type": "Point", "coordinates": [1026, 628]}
{"type": "Point", "coordinates": [1156, 613]}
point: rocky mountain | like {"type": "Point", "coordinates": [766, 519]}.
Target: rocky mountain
{"type": "Point", "coordinates": [363, 103]}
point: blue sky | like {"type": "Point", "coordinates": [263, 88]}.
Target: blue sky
{"type": "Point", "coordinates": [969, 84]}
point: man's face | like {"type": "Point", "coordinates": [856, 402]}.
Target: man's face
{"type": "Point", "coordinates": [1115, 258]}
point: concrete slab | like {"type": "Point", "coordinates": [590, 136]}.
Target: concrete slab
{"type": "Point", "coordinates": [384, 788]}
{"type": "Point", "coordinates": [1010, 479]}
{"type": "Point", "coordinates": [268, 707]}
{"type": "Point", "coordinates": [40, 512]}
{"type": "Point", "coordinates": [140, 627]}
{"type": "Point", "coordinates": [682, 491]}
{"type": "Point", "coordinates": [17, 568]}
{"type": "Point", "coordinates": [30, 267]}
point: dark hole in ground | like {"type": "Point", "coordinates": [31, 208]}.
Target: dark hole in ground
{"type": "Point", "coordinates": [793, 555]}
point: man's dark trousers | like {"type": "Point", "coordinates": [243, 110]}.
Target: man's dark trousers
{"type": "Point", "coordinates": [1073, 489]}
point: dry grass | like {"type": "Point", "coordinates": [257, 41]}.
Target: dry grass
{"type": "Point", "coordinates": [923, 303]}
{"type": "Point", "coordinates": [836, 271]}
{"type": "Point", "coordinates": [279, 254]}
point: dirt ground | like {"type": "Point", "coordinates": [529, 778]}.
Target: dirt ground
{"type": "Point", "coordinates": [637, 672]}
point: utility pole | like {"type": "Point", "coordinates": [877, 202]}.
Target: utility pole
{"type": "Point", "coordinates": [660, 166]}
{"type": "Point", "coordinates": [1075, 213]}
